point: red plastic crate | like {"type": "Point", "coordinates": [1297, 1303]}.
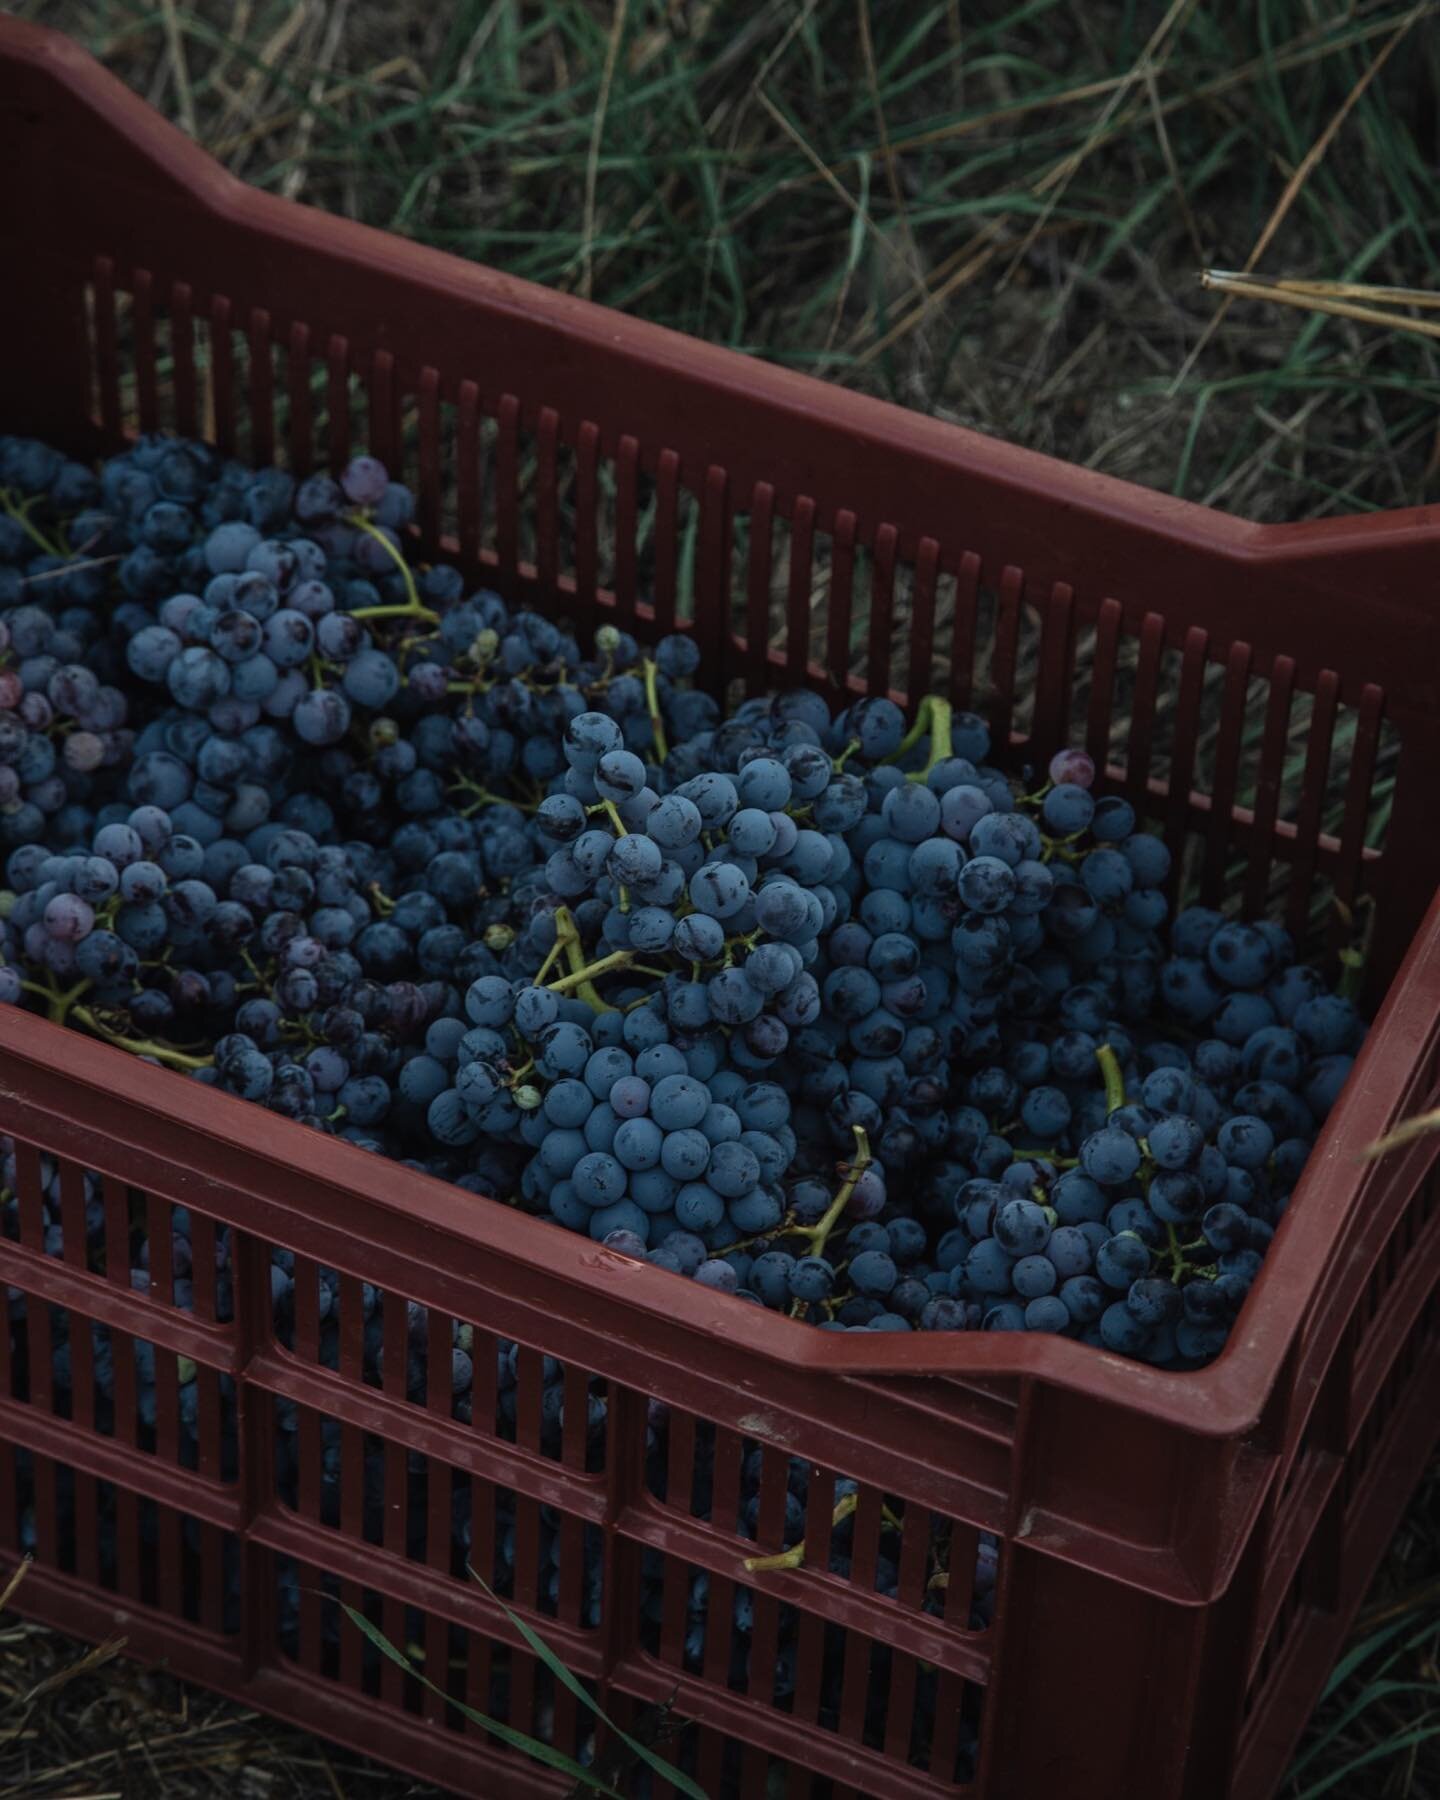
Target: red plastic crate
{"type": "Point", "coordinates": [1179, 1554]}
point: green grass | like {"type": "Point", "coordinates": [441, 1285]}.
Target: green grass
{"type": "Point", "coordinates": [759, 180]}
{"type": "Point", "coordinates": [995, 213]}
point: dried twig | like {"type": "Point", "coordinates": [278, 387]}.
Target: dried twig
{"type": "Point", "coordinates": [887, 150]}
{"type": "Point", "coordinates": [1167, 150]}
{"type": "Point", "coordinates": [1060, 177]}
{"type": "Point", "coordinates": [843, 193]}
{"type": "Point", "coordinates": [296, 173]}
{"type": "Point", "coordinates": [1303, 172]}
{"type": "Point", "coordinates": [1375, 295]}
{"type": "Point", "coordinates": [246, 102]}
{"type": "Point", "coordinates": [1406, 1132]}
{"type": "Point", "coordinates": [184, 95]}
{"type": "Point", "coordinates": [1322, 297]}
{"type": "Point", "coordinates": [338, 90]}
{"type": "Point", "coordinates": [597, 131]}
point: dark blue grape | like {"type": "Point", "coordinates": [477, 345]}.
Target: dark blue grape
{"type": "Point", "coordinates": [1245, 1141]}
{"type": "Point", "coordinates": [1084, 1298]}
{"type": "Point", "coordinates": [1121, 1331]}
{"type": "Point", "coordinates": [988, 1267]}
{"type": "Point", "coordinates": [1067, 809]}
{"type": "Point", "coordinates": [1175, 1142]}
{"type": "Point", "coordinates": [1021, 1227]}
{"type": "Point", "coordinates": [1110, 1157]}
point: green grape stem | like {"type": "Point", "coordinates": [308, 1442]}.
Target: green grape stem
{"type": "Point", "coordinates": [412, 608]}
{"type": "Point", "coordinates": [175, 1059]}
{"type": "Point", "coordinates": [552, 956]}
{"type": "Point", "coordinates": [1059, 1162]}
{"type": "Point", "coordinates": [794, 1557]}
{"type": "Point", "coordinates": [398, 612]}
{"type": "Point", "coordinates": [912, 737]}
{"type": "Point", "coordinates": [71, 568]}
{"type": "Point", "coordinates": [941, 715]}
{"type": "Point", "coordinates": [1354, 957]}
{"type": "Point", "coordinates": [612, 812]}
{"type": "Point", "coordinates": [261, 979]}
{"type": "Point", "coordinates": [652, 706]}
{"type": "Point", "coordinates": [933, 717]}
{"type": "Point", "coordinates": [1179, 1255]}
{"type": "Point", "coordinates": [1352, 974]}
{"type": "Point", "coordinates": [482, 797]}
{"type": "Point", "coordinates": [1113, 1077]}
{"type": "Point", "coordinates": [819, 1233]}
{"type": "Point", "coordinates": [582, 975]}
{"type": "Point", "coordinates": [64, 1004]}
{"type": "Point", "coordinates": [58, 1004]}
{"type": "Point", "coordinates": [20, 513]}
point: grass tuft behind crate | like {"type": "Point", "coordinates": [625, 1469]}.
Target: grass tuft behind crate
{"type": "Point", "coordinates": [994, 213]}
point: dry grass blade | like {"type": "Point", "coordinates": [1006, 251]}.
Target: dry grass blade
{"type": "Point", "coordinates": [184, 94]}
{"type": "Point", "coordinates": [597, 132]}
{"type": "Point", "coordinates": [22, 1569]}
{"type": "Point", "coordinates": [979, 253]}
{"type": "Point", "coordinates": [842, 193]}
{"type": "Point", "coordinates": [1308, 299]}
{"type": "Point", "coordinates": [1426, 1595]}
{"type": "Point", "coordinates": [1060, 177]}
{"type": "Point", "coordinates": [295, 176]}
{"type": "Point", "coordinates": [178, 1747]}
{"type": "Point", "coordinates": [1404, 1133]}
{"type": "Point", "coordinates": [971, 260]}
{"type": "Point", "coordinates": [887, 150]}
{"type": "Point", "coordinates": [1298, 54]}
{"type": "Point", "coordinates": [246, 102]}
{"type": "Point", "coordinates": [93, 1659]}
{"type": "Point", "coordinates": [1302, 174]}
{"type": "Point", "coordinates": [1162, 137]}
{"type": "Point", "coordinates": [1425, 298]}
{"type": "Point", "coordinates": [366, 80]}
{"type": "Point", "coordinates": [74, 1716]}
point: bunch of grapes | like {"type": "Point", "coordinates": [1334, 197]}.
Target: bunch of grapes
{"type": "Point", "coordinates": [824, 1011]}
{"type": "Point", "coordinates": [288, 812]}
